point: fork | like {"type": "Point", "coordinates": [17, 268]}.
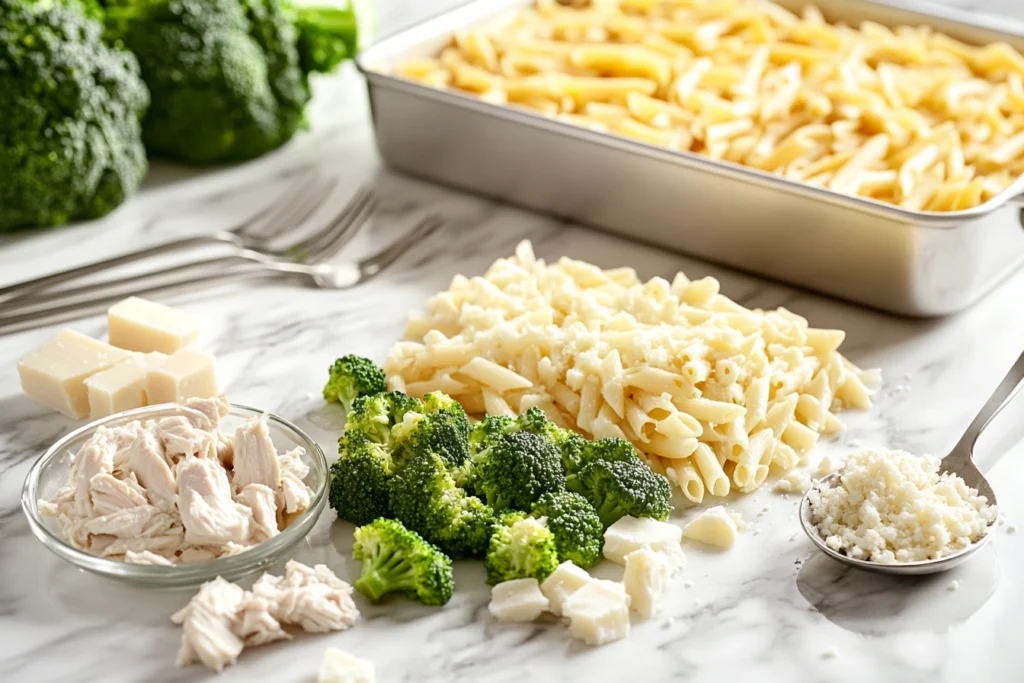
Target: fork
{"type": "Point", "coordinates": [321, 245]}
{"type": "Point", "coordinates": [322, 276]}
{"type": "Point", "coordinates": [257, 232]}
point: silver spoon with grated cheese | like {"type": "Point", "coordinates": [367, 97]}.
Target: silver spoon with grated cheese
{"type": "Point", "coordinates": [959, 462]}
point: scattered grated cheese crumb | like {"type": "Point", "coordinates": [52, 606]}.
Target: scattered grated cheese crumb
{"type": "Point", "coordinates": [830, 653]}
{"type": "Point", "coordinates": [953, 585]}
{"type": "Point", "coordinates": [796, 481]}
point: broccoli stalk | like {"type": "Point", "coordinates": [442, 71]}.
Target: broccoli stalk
{"type": "Point", "coordinates": [351, 377]}
{"type": "Point", "coordinates": [396, 560]}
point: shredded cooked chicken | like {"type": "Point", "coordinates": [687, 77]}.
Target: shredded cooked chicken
{"type": "Point", "coordinates": [178, 490]}
{"type": "Point", "coordinates": [222, 618]}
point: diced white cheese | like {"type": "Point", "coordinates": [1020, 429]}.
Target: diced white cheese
{"type": "Point", "coordinates": [139, 325]}
{"type": "Point", "coordinates": [517, 600]}
{"type": "Point", "coordinates": [54, 374]}
{"type": "Point", "coordinates": [714, 526]}
{"type": "Point", "coordinates": [189, 373]}
{"type": "Point", "coordinates": [121, 387]}
{"type": "Point", "coordinates": [632, 533]}
{"type": "Point", "coordinates": [339, 666]}
{"type": "Point", "coordinates": [646, 579]}
{"type": "Point", "coordinates": [598, 612]}
{"type": "Point", "coordinates": [561, 583]}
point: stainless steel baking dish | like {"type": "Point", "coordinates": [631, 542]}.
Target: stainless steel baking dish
{"type": "Point", "coordinates": [906, 262]}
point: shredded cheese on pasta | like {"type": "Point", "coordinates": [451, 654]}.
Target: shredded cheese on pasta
{"type": "Point", "coordinates": [713, 394]}
{"type": "Point", "coordinates": [903, 115]}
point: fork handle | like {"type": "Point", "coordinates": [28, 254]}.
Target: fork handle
{"type": "Point", "coordinates": [1007, 389]}
{"type": "Point", "coordinates": [66, 312]}
{"type": "Point", "coordinates": [19, 289]}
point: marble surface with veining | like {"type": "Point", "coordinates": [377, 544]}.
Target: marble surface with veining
{"type": "Point", "coordinates": [769, 610]}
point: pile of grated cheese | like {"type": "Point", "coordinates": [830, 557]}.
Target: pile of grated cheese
{"type": "Point", "coordinates": [892, 507]}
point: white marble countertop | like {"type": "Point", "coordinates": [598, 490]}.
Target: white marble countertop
{"type": "Point", "coordinates": [768, 610]}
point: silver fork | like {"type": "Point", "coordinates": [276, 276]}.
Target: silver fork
{"type": "Point", "coordinates": [259, 232]}
{"type": "Point", "coordinates": [319, 246]}
{"type": "Point", "coordinates": [323, 276]}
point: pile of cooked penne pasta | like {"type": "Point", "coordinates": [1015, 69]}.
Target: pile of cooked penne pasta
{"type": "Point", "coordinates": [903, 115]}
{"type": "Point", "coordinates": [715, 396]}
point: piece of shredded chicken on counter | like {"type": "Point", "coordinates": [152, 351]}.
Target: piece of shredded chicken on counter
{"type": "Point", "coordinates": [222, 618]}
{"type": "Point", "coordinates": [177, 488]}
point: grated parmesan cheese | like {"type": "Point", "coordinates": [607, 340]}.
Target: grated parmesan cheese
{"type": "Point", "coordinates": [892, 507]}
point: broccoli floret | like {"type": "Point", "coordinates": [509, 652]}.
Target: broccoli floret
{"type": "Point", "coordinates": [229, 78]}
{"type": "Point", "coordinates": [375, 415]}
{"type": "Point", "coordinates": [351, 377]}
{"type": "Point", "coordinates": [609, 449]}
{"type": "Point", "coordinates": [442, 428]}
{"type": "Point", "coordinates": [535, 421]}
{"type": "Point", "coordinates": [571, 450]}
{"type": "Point", "coordinates": [523, 549]}
{"type": "Point", "coordinates": [579, 534]}
{"type": "Point", "coordinates": [482, 433]}
{"type": "Point", "coordinates": [516, 470]}
{"type": "Point", "coordinates": [71, 112]}
{"type": "Point", "coordinates": [359, 490]}
{"type": "Point", "coordinates": [425, 498]}
{"type": "Point", "coordinates": [618, 488]}
{"type": "Point", "coordinates": [396, 560]}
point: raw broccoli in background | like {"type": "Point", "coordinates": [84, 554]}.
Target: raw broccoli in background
{"type": "Point", "coordinates": [70, 117]}
{"type": "Point", "coordinates": [229, 79]}
{"type": "Point", "coordinates": [396, 560]}
{"type": "Point", "coordinates": [520, 549]}
{"type": "Point", "coordinates": [618, 488]}
{"type": "Point", "coordinates": [517, 469]}
{"type": "Point", "coordinates": [351, 377]}
{"type": "Point", "coordinates": [359, 490]}
{"type": "Point", "coordinates": [577, 528]}
{"type": "Point", "coordinates": [425, 498]}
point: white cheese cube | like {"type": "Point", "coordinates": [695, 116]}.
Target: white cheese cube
{"type": "Point", "coordinates": [561, 583]}
{"type": "Point", "coordinates": [646, 579]}
{"type": "Point", "coordinates": [189, 373]}
{"type": "Point", "coordinates": [632, 533]}
{"type": "Point", "coordinates": [517, 600]}
{"type": "Point", "coordinates": [714, 526]}
{"type": "Point", "coordinates": [339, 666]}
{"type": "Point", "coordinates": [598, 612]}
{"type": "Point", "coordinates": [139, 325]}
{"type": "Point", "coordinates": [122, 387]}
{"type": "Point", "coordinates": [54, 374]}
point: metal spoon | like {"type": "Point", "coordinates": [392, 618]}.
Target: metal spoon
{"type": "Point", "coordinates": [959, 462]}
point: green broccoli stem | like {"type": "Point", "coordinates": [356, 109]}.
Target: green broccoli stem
{"type": "Point", "coordinates": [608, 511]}
{"type": "Point", "coordinates": [388, 572]}
{"type": "Point", "coordinates": [327, 37]}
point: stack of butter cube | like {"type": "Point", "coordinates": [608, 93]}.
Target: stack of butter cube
{"type": "Point", "coordinates": [151, 358]}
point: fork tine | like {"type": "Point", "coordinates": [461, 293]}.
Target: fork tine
{"type": "Point", "coordinates": [372, 265]}
{"type": "Point", "coordinates": [293, 212]}
{"type": "Point", "coordinates": [346, 227]}
{"type": "Point", "coordinates": [310, 247]}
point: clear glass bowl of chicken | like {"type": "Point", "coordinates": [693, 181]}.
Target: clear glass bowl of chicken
{"type": "Point", "coordinates": [176, 495]}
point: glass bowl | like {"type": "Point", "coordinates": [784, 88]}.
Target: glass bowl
{"type": "Point", "coordinates": [53, 470]}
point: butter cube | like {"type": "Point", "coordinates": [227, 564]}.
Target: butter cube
{"type": "Point", "coordinates": [561, 583]}
{"type": "Point", "coordinates": [122, 387]}
{"type": "Point", "coordinates": [54, 374]}
{"type": "Point", "coordinates": [140, 325]}
{"type": "Point", "coordinates": [598, 612]}
{"type": "Point", "coordinates": [339, 666]}
{"type": "Point", "coordinates": [188, 373]}
{"type": "Point", "coordinates": [517, 600]}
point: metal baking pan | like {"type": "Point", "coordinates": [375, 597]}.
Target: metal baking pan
{"type": "Point", "coordinates": [906, 262]}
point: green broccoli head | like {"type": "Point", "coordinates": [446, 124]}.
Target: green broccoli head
{"type": "Point", "coordinates": [579, 534]}
{"type": "Point", "coordinates": [571, 450]}
{"type": "Point", "coordinates": [425, 498]}
{"type": "Point", "coordinates": [351, 377]}
{"type": "Point", "coordinates": [227, 77]}
{"type": "Point", "coordinates": [618, 488]}
{"type": "Point", "coordinates": [359, 489]}
{"type": "Point", "coordinates": [523, 549]}
{"type": "Point", "coordinates": [516, 470]}
{"type": "Point", "coordinates": [397, 560]}
{"type": "Point", "coordinates": [442, 429]}
{"type": "Point", "coordinates": [374, 416]}
{"type": "Point", "coordinates": [484, 432]}
{"type": "Point", "coordinates": [71, 109]}
{"type": "Point", "coordinates": [584, 452]}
